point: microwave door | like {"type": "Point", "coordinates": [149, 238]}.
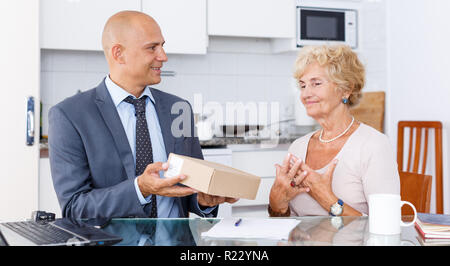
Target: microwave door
{"type": "Point", "coordinates": [317, 27]}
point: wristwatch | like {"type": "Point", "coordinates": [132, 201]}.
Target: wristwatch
{"type": "Point", "coordinates": [337, 222]}
{"type": "Point", "coordinates": [337, 208]}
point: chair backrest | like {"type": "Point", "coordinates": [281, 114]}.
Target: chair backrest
{"type": "Point", "coordinates": [416, 129]}
{"type": "Point", "coordinates": [370, 110]}
{"type": "Point", "coordinates": [415, 188]}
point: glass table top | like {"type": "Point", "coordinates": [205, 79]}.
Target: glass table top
{"type": "Point", "coordinates": [311, 231]}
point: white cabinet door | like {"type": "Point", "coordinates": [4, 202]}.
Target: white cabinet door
{"type": "Point", "coordinates": [183, 24]}
{"type": "Point", "coordinates": [222, 156]}
{"type": "Point", "coordinates": [19, 68]}
{"type": "Point", "coordinates": [78, 24]}
{"type": "Point", "coordinates": [259, 163]}
{"type": "Point", "coordinates": [252, 18]}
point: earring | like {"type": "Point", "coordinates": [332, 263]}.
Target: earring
{"type": "Point", "coordinates": [344, 100]}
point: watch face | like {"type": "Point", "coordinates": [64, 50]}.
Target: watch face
{"type": "Point", "coordinates": [337, 222]}
{"type": "Point", "coordinates": [336, 209]}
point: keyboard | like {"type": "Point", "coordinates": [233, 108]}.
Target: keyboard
{"type": "Point", "coordinates": [39, 233]}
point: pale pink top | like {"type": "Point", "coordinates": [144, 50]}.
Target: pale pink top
{"type": "Point", "coordinates": [366, 166]}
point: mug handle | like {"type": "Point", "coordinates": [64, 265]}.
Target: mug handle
{"type": "Point", "coordinates": [415, 213]}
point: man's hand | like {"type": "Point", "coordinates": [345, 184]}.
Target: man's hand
{"type": "Point", "coordinates": [150, 182]}
{"type": "Point", "coordinates": [207, 200]}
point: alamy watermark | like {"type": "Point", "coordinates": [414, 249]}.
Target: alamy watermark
{"type": "Point", "coordinates": [259, 120]}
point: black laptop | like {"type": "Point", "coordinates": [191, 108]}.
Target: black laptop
{"type": "Point", "coordinates": [61, 232]}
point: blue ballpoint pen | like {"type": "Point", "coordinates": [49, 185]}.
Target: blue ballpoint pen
{"type": "Point", "coordinates": [238, 222]}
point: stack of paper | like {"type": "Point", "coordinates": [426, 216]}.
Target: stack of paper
{"type": "Point", "coordinates": [433, 227]}
{"type": "Point", "coordinates": [253, 228]}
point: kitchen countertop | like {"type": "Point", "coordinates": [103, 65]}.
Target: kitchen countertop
{"type": "Point", "coordinates": [234, 141]}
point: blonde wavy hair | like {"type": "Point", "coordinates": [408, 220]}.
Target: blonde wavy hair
{"type": "Point", "coordinates": [342, 66]}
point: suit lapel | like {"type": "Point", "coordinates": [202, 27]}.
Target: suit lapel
{"type": "Point", "coordinates": [163, 109]}
{"type": "Point", "coordinates": [112, 120]}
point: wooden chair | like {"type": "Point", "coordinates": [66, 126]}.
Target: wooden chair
{"type": "Point", "coordinates": [415, 188]}
{"type": "Point", "coordinates": [416, 128]}
{"type": "Point", "coordinates": [370, 109]}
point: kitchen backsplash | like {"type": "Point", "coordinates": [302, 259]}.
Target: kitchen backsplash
{"type": "Point", "coordinates": [218, 76]}
{"type": "Point", "coordinates": [233, 70]}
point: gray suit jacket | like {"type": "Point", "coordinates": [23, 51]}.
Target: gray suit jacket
{"type": "Point", "coordinates": [91, 161]}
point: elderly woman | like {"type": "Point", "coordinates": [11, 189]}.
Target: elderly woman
{"type": "Point", "coordinates": [332, 171]}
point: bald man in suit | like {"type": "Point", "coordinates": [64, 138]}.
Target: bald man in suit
{"type": "Point", "coordinates": [95, 144]}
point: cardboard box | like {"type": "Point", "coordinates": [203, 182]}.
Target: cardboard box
{"type": "Point", "coordinates": [213, 178]}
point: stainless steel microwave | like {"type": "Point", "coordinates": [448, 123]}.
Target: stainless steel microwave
{"type": "Point", "coordinates": [316, 26]}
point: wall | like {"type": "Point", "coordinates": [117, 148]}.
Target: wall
{"type": "Point", "coordinates": [373, 48]}
{"type": "Point", "coordinates": [418, 70]}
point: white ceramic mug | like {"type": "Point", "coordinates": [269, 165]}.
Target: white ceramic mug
{"type": "Point", "coordinates": [385, 214]}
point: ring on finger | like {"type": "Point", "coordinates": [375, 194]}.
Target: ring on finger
{"type": "Point", "coordinates": [293, 184]}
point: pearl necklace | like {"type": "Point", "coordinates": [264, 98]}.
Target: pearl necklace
{"type": "Point", "coordinates": [340, 135]}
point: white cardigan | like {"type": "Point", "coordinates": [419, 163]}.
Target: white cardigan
{"type": "Point", "coordinates": [366, 165]}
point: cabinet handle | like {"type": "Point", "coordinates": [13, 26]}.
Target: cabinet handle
{"type": "Point", "coordinates": [30, 121]}
{"type": "Point", "coordinates": [168, 73]}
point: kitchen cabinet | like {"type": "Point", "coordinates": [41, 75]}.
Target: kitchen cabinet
{"type": "Point", "coordinates": [255, 160]}
{"type": "Point", "coordinates": [259, 162]}
{"type": "Point", "coordinates": [19, 66]}
{"type": "Point", "coordinates": [183, 24]}
{"type": "Point", "coordinates": [78, 25]}
{"type": "Point", "coordinates": [252, 18]}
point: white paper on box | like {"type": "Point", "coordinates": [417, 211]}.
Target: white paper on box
{"type": "Point", "coordinates": [175, 165]}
